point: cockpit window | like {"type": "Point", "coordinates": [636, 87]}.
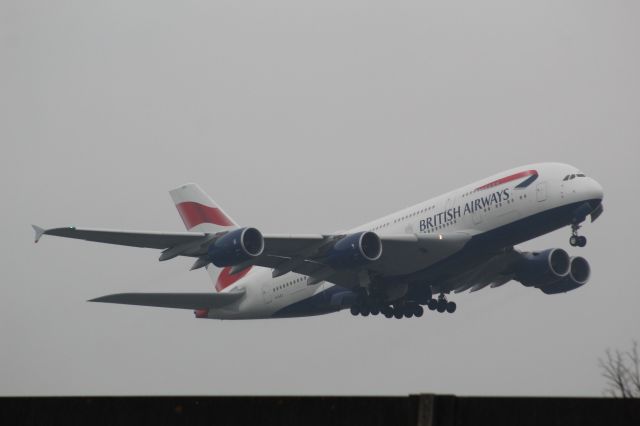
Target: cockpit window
{"type": "Point", "coordinates": [570, 177]}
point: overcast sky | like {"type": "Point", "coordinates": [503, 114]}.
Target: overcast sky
{"type": "Point", "coordinates": [304, 117]}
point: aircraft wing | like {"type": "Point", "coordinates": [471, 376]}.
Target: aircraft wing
{"type": "Point", "coordinates": [496, 271]}
{"type": "Point", "coordinates": [174, 300]}
{"type": "Point", "coordinates": [148, 239]}
{"type": "Point", "coordinates": [406, 253]}
{"type": "Point", "coordinates": [402, 254]}
{"type": "Point", "coordinates": [173, 243]}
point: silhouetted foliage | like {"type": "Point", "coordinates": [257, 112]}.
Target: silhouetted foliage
{"type": "Point", "coordinates": [622, 371]}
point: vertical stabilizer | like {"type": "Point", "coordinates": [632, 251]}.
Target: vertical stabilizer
{"type": "Point", "coordinates": [199, 212]}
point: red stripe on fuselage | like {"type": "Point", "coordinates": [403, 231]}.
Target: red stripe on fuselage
{"type": "Point", "coordinates": [225, 279]}
{"type": "Point", "coordinates": [508, 179]}
{"type": "Point", "coordinates": [193, 214]}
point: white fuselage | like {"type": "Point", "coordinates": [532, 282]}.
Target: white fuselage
{"type": "Point", "coordinates": [507, 198]}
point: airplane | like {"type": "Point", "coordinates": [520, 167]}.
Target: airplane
{"type": "Point", "coordinates": [461, 241]}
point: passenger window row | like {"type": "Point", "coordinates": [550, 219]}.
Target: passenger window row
{"type": "Point", "coordinates": [426, 209]}
{"type": "Point", "coordinates": [285, 285]}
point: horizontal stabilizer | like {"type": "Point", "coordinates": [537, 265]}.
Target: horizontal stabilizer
{"type": "Point", "coordinates": [173, 300]}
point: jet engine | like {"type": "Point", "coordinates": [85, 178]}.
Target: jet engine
{"type": "Point", "coordinates": [354, 250]}
{"type": "Point", "coordinates": [236, 247]}
{"type": "Point", "coordinates": [539, 269]}
{"type": "Point", "coordinates": [553, 271]}
{"type": "Point", "coordinates": [579, 275]}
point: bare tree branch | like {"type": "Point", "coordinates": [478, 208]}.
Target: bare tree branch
{"type": "Point", "coordinates": [634, 372]}
{"type": "Point", "coordinates": [622, 372]}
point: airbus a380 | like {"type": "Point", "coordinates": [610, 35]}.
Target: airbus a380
{"type": "Point", "coordinates": [460, 241]}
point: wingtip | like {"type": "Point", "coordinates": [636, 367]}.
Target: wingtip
{"type": "Point", "coordinates": [101, 299]}
{"type": "Point", "coordinates": [39, 232]}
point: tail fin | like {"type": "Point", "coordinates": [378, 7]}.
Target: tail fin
{"type": "Point", "coordinates": [201, 214]}
{"type": "Point", "coordinates": [198, 211]}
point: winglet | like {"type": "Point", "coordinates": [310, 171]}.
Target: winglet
{"type": "Point", "coordinates": [39, 232]}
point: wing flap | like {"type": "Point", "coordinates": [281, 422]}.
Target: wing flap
{"type": "Point", "coordinates": [173, 300]}
{"type": "Point", "coordinates": [306, 267]}
{"type": "Point", "coordinates": [495, 272]}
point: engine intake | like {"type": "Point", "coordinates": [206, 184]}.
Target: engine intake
{"type": "Point", "coordinates": [579, 275]}
{"type": "Point", "coordinates": [580, 270]}
{"type": "Point", "coordinates": [236, 247]}
{"type": "Point", "coordinates": [355, 250]}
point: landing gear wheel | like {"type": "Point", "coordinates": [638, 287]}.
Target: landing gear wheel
{"type": "Point", "coordinates": [442, 305]}
{"type": "Point", "coordinates": [582, 241]}
{"type": "Point", "coordinates": [365, 312]}
{"type": "Point", "coordinates": [398, 314]}
{"type": "Point", "coordinates": [573, 241]}
{"type": "Point", "coordinates": [419, 311]}
{"type": "Point", "coordinates": [577, 240]}
{"type": "Point", "coordinates": [375, 311]}
{"type": "Point", "coordinates": [355, 310]}
{"type": "Point", "coordinates": [451, 307]}
{"type": "Point", "coordinates": [408, 310]}
{"type": "Point", "coordinates": [432, 304]}
{"type": "Point", "coordinates": [387, 311]}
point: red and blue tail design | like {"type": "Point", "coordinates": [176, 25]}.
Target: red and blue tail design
{"type": "Point", "coordinates": [198, 211]}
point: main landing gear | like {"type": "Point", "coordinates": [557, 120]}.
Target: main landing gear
{"type": "Point", "coordinates": [398, 311]}
{"type": "Point", "coordinates": [442, 305]}
{"type": "Point", "coordinates": [577, 240]}
{"type": "Point", "coordinates": [406, 309]}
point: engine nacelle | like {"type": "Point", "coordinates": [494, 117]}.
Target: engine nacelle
{"type": "Point", "coordinates": [540, 269]}
{"type": "Point", "coordinates": [579, 275]}
{"type": "Point", "coordinates": [355, 250]}
{"type": "Point", "coordinates": [236, 247]}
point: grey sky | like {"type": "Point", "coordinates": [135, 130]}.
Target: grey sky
{"type": "Point", "coordinates": [304, 117]}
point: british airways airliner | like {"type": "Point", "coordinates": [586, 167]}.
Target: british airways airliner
{"type": "Point", "coordinates": [460, 241]}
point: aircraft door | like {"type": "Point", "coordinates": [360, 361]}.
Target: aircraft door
{"type": "Point", "coordinates": [477, 214]}
{"type": "Point", "coordinates": [541, 191]}
{"type": "Point", "coordinates": [477, 217]}
{"type": "Point", "coordinates": [267, 292]}
{"type": "Point", "coordinates": [449, 204]}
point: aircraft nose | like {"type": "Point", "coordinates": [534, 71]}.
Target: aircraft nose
{"type": "Point", "coordinates": [594, 191]}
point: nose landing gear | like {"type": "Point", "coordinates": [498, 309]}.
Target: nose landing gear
{"type": "Point", "coordinates": [577, 240]}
